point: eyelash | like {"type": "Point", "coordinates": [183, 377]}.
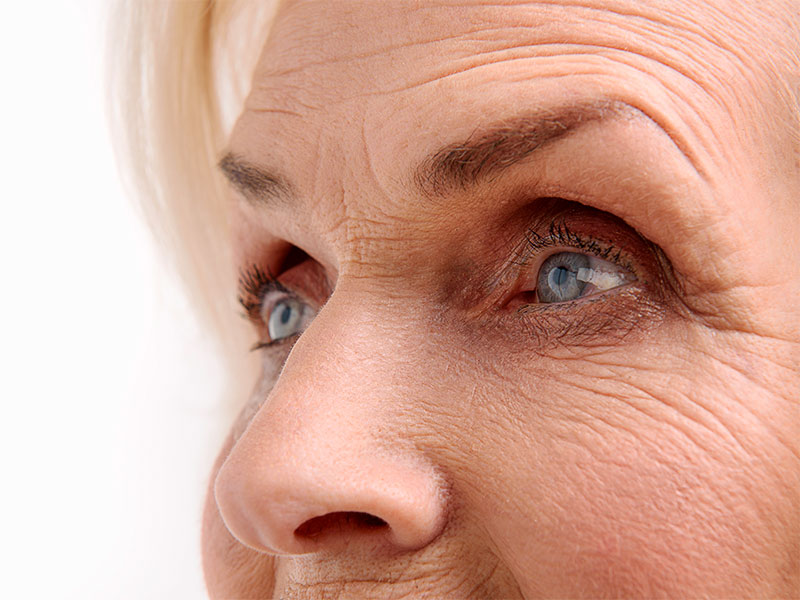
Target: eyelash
{"type": "Point", "coordinates": [560, 235]}
{"type": "Point", "coordinates": [255, 283]}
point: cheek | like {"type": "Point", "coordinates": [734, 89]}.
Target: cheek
{"type": "Point", "coordinates": [615, 480]}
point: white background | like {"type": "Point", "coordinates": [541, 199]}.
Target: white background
{"type": "Point", "coordinates": [110, 417]}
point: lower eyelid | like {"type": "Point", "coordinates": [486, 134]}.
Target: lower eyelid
{"type": "Point", "coordinates": [523, 305]}
{"type": "Point", "coordinates": [598, 320]}
{"type": "Point", "coordinates": [267, 343]}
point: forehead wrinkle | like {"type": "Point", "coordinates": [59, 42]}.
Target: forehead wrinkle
{"type": "Point", "coordinates": [733, 28]}
{"type": "Point", "coordinates": [536, 29]}
{"type": "Point", "coordinates": [648, 24]}
{"type": "Point", "coordinates": [651, 36]}
{"type": "Point", "coordinates": [719, 89]}
{"type": "Point", "coordinates": [524, 18]}
{"type": "Point", "coordinates": [296, 35]}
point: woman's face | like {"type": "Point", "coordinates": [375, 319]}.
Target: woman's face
{"type": "Point", "coordinates": [524, 278]}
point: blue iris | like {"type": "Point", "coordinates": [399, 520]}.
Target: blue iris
{"type": "Point", "coordinates": [558, 277]}
{"type": "Point", "coordinates": [286, 319]}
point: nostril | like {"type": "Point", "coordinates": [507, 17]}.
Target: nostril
{"type": "Point", "coordinates": [340, 522]}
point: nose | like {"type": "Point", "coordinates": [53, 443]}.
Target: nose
{"type": "Point", "coordinates": [326, 462]}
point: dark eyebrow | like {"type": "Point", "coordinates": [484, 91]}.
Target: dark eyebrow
{"type": "Point", "coordinates": [460, 165]}
{"type": "Point", "coordinates": [486, 152]}
{"type": "Point", "coordinates": [254, 183]}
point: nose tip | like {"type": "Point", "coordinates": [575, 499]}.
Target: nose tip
{"type": "Point", "coordinates": [330, 458]}
{"type": "Point", "coordinates": [282, 507]}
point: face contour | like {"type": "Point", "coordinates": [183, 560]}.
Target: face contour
{"type": "Point", "coordinates": [524, 279]}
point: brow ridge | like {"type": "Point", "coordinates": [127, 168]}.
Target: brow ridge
{"type": "Point", "coordinates": [464, 164]}
{"type": "Point", "coordinates": [253, 182]}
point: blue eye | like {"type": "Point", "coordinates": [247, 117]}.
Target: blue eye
{"type": "Point", "coordinates": [571, 275]}
{"type": "Point", "coordinates": [286, 317]}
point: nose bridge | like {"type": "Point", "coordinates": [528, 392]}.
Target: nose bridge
{"type": "Point", "coordinates": [329, 446]}
{"type": "Point", "coordinates": [361, 346]}
{"type": "Point", "coordinates": [360, 320]}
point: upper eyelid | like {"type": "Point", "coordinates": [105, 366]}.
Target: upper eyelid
{"type": "Point", "coordinates": [275, 288]}
{"type": "Point", "coordinates": [275, 285]}
{"type": "Point", "coordinates": [254, 284]}
{"type": "Point", "coordinates": [560, 236]}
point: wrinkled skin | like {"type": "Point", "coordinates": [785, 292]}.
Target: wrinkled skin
{"type": "Point", "coordinates": [458, 438]}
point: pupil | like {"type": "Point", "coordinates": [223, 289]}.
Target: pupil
{"type": "Point", "coordinates": [559, 276]}
{"type": "Point", "coordinates": [286, 314]}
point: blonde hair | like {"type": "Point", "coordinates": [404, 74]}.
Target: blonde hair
{"type": "Point", "coordinates": [178, 75]}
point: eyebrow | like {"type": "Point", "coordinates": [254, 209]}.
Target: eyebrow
{"type": "Point", "coordinates": [256, 184]}
{"type": "Point", "coordinates": [463, 165]}
{"type": "Point", "coordinates": [457, 166]}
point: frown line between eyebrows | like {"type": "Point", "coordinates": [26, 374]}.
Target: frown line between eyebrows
{"type": "Point", "coordinates": [495, 148]}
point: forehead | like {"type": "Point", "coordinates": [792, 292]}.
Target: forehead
{"type": "Point", "coordinates": [373, 68]}
{"type": "Point", "coordinates": [353, 35]}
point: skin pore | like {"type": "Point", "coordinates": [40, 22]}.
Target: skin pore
{"type": "Point", "coordinates": [429, 427]}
